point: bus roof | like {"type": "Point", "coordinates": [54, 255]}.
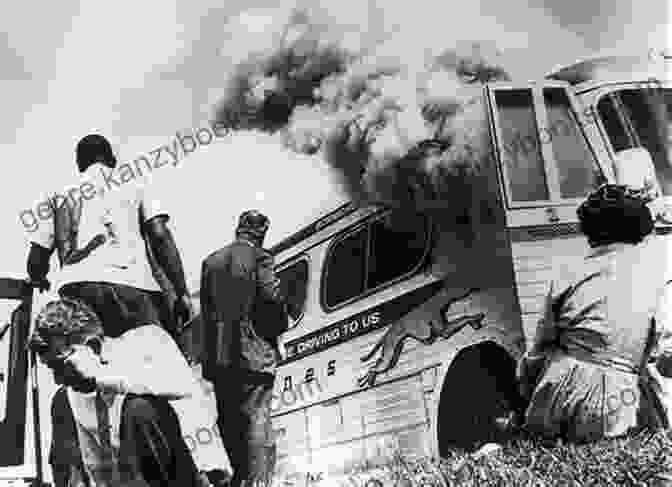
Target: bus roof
{"type": "Point", "coordinates": [605, 69]}
{"type": "Point", "coordinates": [313, 227]}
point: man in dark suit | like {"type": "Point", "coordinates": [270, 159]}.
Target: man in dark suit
{"type": "Point", "coordinates": [244, 313]}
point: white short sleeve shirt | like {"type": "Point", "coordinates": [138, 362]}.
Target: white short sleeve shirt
{"type": "Point", "coordinates": [115, 211]}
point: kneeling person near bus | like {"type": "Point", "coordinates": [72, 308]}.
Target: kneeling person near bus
{"type": "Point", "coordinates": [587, 375]}
{"type": "Point", "coordinates": [113, 424]}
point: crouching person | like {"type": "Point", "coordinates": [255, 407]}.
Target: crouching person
{"type": "Point", "coordinates": [588, 375]}
{"type": "Point", "coordinates": [113, 424]}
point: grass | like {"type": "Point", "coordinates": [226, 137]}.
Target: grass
{"type": "Point", "coordinates": [527, 462]}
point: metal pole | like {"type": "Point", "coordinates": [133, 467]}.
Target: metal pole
{"type": "Point", "coordinates": [37, 431]}
{"type": "Point", "coordinates": [36, 419]}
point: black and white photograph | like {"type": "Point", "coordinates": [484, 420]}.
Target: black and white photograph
{"type": "Point", "coordinates": [336, 243]}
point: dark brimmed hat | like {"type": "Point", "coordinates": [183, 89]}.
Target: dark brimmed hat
{"type": "Point", "coordinates": [94, 148]}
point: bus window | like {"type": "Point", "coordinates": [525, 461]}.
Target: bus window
{"type": "Point", "coordinates": [397, 247]}
{"type": "Point", "coordinates": [294, 279]}
{"type": "Point", "coordinates": [641, 118]}
{"type": "Point", "coordinates": [521, 152]}
{"type": "Point", "coordinates": [345, 268]}
{"type": "Point", "coordinates": [577, 168]}
{"type": "Point", "coordinates": [618, 136]}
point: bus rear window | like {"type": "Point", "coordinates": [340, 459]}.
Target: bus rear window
{"type": "Point", "coordinates": [521, 151]}
{"type": "Point", "coordinates": [577, 168]}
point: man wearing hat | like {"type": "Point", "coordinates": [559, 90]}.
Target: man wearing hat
{"type": "Point", "coordinates": [244, 313]}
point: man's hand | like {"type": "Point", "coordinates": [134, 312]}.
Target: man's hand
{"type": "Point", "coordinates": [281, 348]}
{"type": "Point", "coordinates": [184, 310]}
{"type": "Point", "coordinates": [85, 362]}
{"type": "Point", "coordinates": [664, 365]}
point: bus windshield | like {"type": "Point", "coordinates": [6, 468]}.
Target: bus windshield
{"type": "Point", "coordinates": [641, 118]}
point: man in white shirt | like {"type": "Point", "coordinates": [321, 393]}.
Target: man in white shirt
{"type": "Point", "coordinates": [113, 424]}
{"type": "Point", "coordinates": [113, 243]}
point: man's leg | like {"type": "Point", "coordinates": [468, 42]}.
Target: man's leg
{"type": "Point", "coordinates": [65, 456]}
{"type": "Point", "coordinates": [259, 447]}
{"type": "Point", "coordinates": [228, 388]}
{"type": "Point", "coordinates": [153, 452]}
{"type": "Point", "coordinates": [164, 310]}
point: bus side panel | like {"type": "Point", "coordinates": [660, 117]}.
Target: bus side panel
{"type": "Point", "coordinates": [536, 261]}
{"type": "Point", "coordinates": [342, 423]}
{"type": "Point", "coordinates": [333, 428]}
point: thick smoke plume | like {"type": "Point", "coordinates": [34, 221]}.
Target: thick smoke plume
{"type": "Point", "coordinates": [266, 85]}
{"type": "Point", "coordinates": [409, 133]}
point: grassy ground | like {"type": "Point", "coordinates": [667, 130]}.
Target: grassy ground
{"type": "Point", "coordinates": [527, 462]}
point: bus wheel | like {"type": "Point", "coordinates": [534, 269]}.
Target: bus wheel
{"type": "Point", "coordinates": [479, 387]}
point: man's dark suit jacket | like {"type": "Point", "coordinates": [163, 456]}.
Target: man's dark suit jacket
{"type": "Point", "coordinates": [238, 283]}
{"type": "Point", "coordinates": [65, 454]}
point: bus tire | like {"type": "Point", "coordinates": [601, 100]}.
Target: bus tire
{"type": "Point", "coordinates": [479, 387]}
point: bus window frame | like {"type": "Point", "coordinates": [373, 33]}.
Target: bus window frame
{"type": "Point", "coordinates": [365, 225]}
{"type": "Point", "coordinates": [286, 265]}
{"type": "Point", "coordinates": [551, 166]}
{"type": "Point", "coordinates": [607, 91]}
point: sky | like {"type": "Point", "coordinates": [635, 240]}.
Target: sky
{"type": "Point", "coordinates": [140, 72]}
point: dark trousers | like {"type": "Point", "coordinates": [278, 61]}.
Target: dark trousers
{"type": "Point", "coordinates": [244, 420]}
{"type": "Point", "coordinates": [153, 452]}
{"type": "Point", "coordinates": [122, 308]}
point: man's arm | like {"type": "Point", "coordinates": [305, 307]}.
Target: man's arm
{"type": "Point", "coordinates": [204, 294]}
{"type": "Point", "coordinates": [268, 281]}
{"type": "Point", "coordinates": [161, 369]}
{"type": "Point", "coordinates": [218, 313]}
{"type": "Point", "coordinates": [38, 264]}
{"type": "Point", "coordinates": [274, 304]}
{"type": "Point", "coordinates": [663, 322]}
{"type": "Point", "coordinates": [167, 256]}
{"type": "Point", "coordinates": [206, 312]}
{"type": "Point", "coordinates": [42, 246]}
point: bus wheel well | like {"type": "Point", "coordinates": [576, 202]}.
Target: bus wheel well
{"type": "Point", "coordinates": [480, 386]}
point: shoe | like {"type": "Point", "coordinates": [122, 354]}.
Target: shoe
{"type": "Point", "coordinates": [218, 478]}
{"type": "Point", "coordinates": [487, 449]}
{"type": "Point", "coordinates": [509, 424]}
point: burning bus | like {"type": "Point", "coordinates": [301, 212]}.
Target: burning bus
{"type": "Point", "coordinates": [410, 322]}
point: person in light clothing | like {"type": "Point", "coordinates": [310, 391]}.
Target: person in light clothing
{"type": "Point", "coordinates": [116, 251]}
{"type": "Point", "coordinates": [588, 375]}
{"type": "Point", "coordinates": [113, 424]}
